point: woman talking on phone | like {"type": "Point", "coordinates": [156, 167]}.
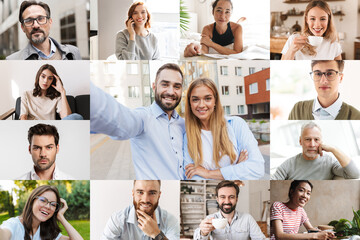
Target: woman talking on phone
{"type": "Point", "coordinates": [136, 42]}
{"type": "Point", "coordinates": [39, 219]}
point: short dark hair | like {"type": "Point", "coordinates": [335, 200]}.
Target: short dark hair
{"type": "Point", "coordinates": [171, 66]}
{"type": "Point", "coordinates": [296, 183]}
{"type": "Point", "coordinates": [151, 180]}
{"type": "Point", "coordinates": [43, 129]}
{"type": "Point", "coordinates": [25, 4]}
{"type": "Point", "coordinates": [216, 2]}
{"type": "Point", "coordinates": [227, 183]}
{"type": "Point", "coordinates": [340, 63]}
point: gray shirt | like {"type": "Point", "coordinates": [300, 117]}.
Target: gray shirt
{"type": "Point", "coordinates": [322, 168]}
{"type": "Point", "coordinates": [143, 48]}
{"type": "Point", "coordinates": [123, 225]}
{"type": "Point", "coordinates": [242, 227]}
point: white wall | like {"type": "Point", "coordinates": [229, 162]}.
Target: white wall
{"type": "Point", "coordinates": [19, 76]}
{"type": "Point", "coordinates": [108, 197]}
{"type": "Point", "coordinates": [347, 25]}
{"type": "Point", "coordinates": [74, 152]}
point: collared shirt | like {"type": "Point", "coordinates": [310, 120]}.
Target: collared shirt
{"type": "Point", "coordinates": [156, 141]}
{"type": "Point", "coordinates": [328, 113]}
{"type": "Point", "coordinates": [43, 55]}
{"type": "Point", "coordinates": [123, 225]}
{"type": "Point", "coordinates": [242, 227]}
{"type": "Point", "coordinates": [57, 175]}
{"type": "Point", "coordinates": [242, 138]}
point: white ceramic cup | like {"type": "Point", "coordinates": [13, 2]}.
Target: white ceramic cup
{"type": "Point", "coordinates": [315, 40]}
{"type": "Point", "coordinates": [219, 223]}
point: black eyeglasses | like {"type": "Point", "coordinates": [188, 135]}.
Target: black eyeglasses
{"type": "Point", "coordinates": [329, 74]}
{"type": "Point", "coordinates": [41, 20]}
{"type": "Point", "coordinates": [44, 201]}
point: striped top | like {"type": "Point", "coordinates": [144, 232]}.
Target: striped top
{"type": "Point", "coordinates": [291, 219]}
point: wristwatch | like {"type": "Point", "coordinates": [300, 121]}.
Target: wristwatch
{"type": "Point", "coordinates": [160, 236]}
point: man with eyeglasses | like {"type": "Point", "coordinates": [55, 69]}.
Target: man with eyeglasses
{"type": "Point", "coordinates": [36, 23]}
{"type": "Point", "coordinates": [312, 163]}
{"type": "Point", "coordinates": [44, 146]}
{"type": "Point", "coordinates": [144, 219]}
{"type": "Point", "coordinates": [327, 76]}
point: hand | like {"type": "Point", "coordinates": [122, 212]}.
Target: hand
{"type": "Point", "coordinates": [58, 85]}
{"type": "Point", "coordinates": [205, 39]}
{"type": "Point", "coordinates": [148, 224]}
{"type": "Point", "coordinates": [191, 171]}
{"type": "Point", "coordinates": [63, 208]}
{"type": "Point", "coordinates": [192, 49]}
{"type": "Point", "coordinates": [243, 156]}
{"type": "Point", "coordinates": [130, 27]}
{"type": "Point", "coordinates": [324, 235]}
{"type": "Point", "coordinates": [298, 43]}
{"type": "Point", "coordinates": [206, 226]}
{"type": "Point", "coordinates": [326, 148]}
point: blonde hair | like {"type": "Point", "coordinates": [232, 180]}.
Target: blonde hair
{"type": "Point", "coordinates": [330, 32]}
{"type": "Point", "coordinates": [221, 143]}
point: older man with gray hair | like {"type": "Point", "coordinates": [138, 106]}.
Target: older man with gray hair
{"type": "Point", "coordinates": [312, 163]}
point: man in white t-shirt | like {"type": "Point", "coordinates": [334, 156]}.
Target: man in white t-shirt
{"type": "Point", "coordinates": [44, 145]}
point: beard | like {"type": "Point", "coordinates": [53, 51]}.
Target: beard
{"type": "Point", "coordinates": [39, 39]}
{"type": "Point", "coordinates": [149, 212]}
{"type": "Point", "coordinates": [227, 210]}
{"type": "Point", "coordinates": [44, 167]}
{"type": "Point", "coordinates": [167, 106]}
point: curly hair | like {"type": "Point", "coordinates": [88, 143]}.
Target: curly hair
{"type": "Point", "coordinates": [50, 92]}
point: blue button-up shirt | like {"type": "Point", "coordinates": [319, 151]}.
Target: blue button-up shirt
{"type": "Point", "coordinates": [242, 138]}
{"type": "Point", "coordinates": [52, 50]}
{"type": "Point", "coordinates": [123, 225]}
{"type": "Point", "coordinates": [156, 141]}
{"type": "Point", "coordinates": [328, 113]}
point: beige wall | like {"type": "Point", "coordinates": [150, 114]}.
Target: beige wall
{"type": "Point", "coordinates": [330, 200]}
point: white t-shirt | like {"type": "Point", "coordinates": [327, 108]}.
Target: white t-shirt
{"type": "Point", "coordinates": [207, 149]}
{"type": "Point", "coordinates": [326, 50]}
{"type": "Point", "coordinates": [17, 229]}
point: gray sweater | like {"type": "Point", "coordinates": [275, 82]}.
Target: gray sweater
{"type": "Point", "coordinates": [322, 168]}
{"type": "Point", "coordinates": [143, 48]}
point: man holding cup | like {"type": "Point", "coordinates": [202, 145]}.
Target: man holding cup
{"type": "Point", "coordinates": [228, 223]}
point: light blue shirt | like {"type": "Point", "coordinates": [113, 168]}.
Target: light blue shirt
{"type": "Point", "coordinates": [123, 225]}
{"type": "Point", "coordinates": [328, 113]}
{"type": "Point", "coordinates": [18, 231]}
{"type": "Point", "coordinates": [52, 50]}
{"type": "Point", "coordinates": [156, 141]}
{"type": "Point", "coordinates": [242, 227]}
{"type": "Point", "coordinates": [242, 138]}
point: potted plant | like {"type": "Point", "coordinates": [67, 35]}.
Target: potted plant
{"type": "Point", "coordinates": [345, 227]}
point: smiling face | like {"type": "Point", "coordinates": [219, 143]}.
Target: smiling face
{"type": "Point", "coordinates": [202, 102]}
{"type": "Point", "coordinates": [139, 15]}
{"type": "Point", "coordinates": [43, 151]}
{"type": "Point", "coordinates": [46, 79]}
{"type": "Point", "coordinates": [146, 194]}
{"type": "Point", "coordinates": [301, 195]}
{"type": "Point", "coordinates": [326, 89]}
{"type": "Point", "coordinates": [227, 199]}
{"type": "Point", "coordinates": [222, 12]}
{"type": "Point", "coordinates": [36, 33]}
{"type": "Point", "coordinates": [168, 90]}
{"type": "Point", "coordinates": [310, 141]}
{"type": "Point", "coordinates": [317, 20]}
{"type": "Point", "coordinates": [41, 211]}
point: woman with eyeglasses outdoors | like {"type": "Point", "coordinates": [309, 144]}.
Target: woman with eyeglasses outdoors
{"type": "Point", "coordinates": [327, 76]}
{"type": "Point", "coordinates": [47, 98]}
{"type": "Point", "coordinates": [136, 42]}
{"type": "Point", "coordinates": [39, 219]}
{"type": "Point", "coordinates": [318, 39]}
{"type": "Point", "coordinates": [222, 36]}
{"type": "Point", "coordinates": [286, 218]}
{"type": "Point", "coordinates": [215, 146]}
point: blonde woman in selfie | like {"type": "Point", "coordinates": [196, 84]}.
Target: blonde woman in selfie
{"type": "Point", "coordinates": [215, 146]}
{"type": "Point", "coordinates": [318, 21]}
{"type": "Point", "coordinates": [136, 42]}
